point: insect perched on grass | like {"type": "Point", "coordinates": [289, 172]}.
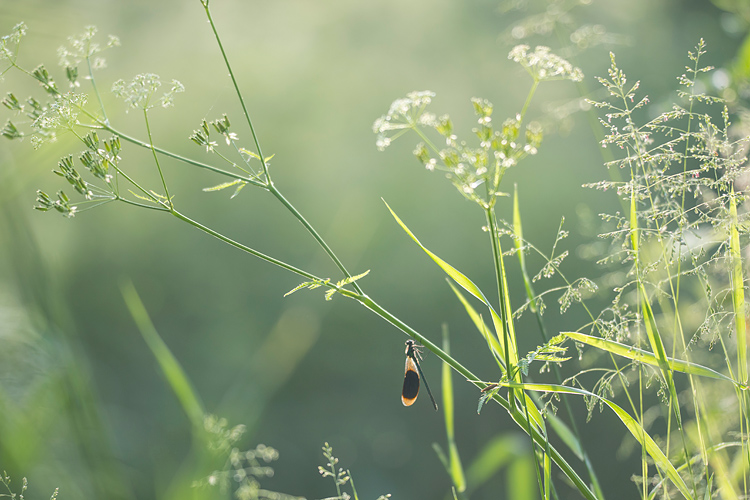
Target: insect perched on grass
{"type": "Point", "coordinates": [412, 375]}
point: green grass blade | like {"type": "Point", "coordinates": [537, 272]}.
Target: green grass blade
{"type": "Point", "coordinates": [497, 452]}
{"type": "Point", "coordinates": [709, 488]}
{"type": "Point", "coordinates": [483, 329]}
{"type": "Point", "coordinates": [458, 277]}
{"type": "Point", "coordinates": [654, 338]}
{"type": "Point", "coordinates": [510, 331]}
{"type": "Point", "coordinates": [646, 357]}
{"type": "Point", "coordinates": [535, 414]}
{"type": "Point", "coordinates": [521, 477]}
{"type": "Point", "coordinates": [738, 293]}
{"type": "Point", "coordinates": [661, 460]}
{"type": "Point", "coordinates": [442, 457]}
{"type": "Point", "coordinates": [518, 241]}
{"type": "Point", "coordinates": [455, 468]}
{"type": "Point", "coordinates": [547, 477]}
{"type": "Point", "coordinates": [464, 282]}
{"type": "Point", "coordinates": [638, 432]}
{"type": "Point", "coordinates": [741, 63]}
{"type": "Point", "coordinates": [169, 365]}
{"type": "Point", "coordinates": [351, 482]}
{"type": "Point", "coordinates": [565, 434]}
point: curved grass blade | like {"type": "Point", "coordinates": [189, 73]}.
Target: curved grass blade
{"type": "Point", "coordinates": [638, 432]}
{"type": "Point", "coordinates": [169, 365]}
{"type": "Point", "coordinates": [646, 357]}
{"type": "Point", "coordinates": [465, 283]}
{"type": "Point", "coordinates": [495, 345]}
{"type": "Point", "coordinates": [476, 318]}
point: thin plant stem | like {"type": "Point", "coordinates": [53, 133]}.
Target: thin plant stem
{"type": "Point", "coordinates": [93, 85]}
{"type": "Point", "coordinates": [236, 86]}
{"type": "Point", "coordinates": [273, 190]}
{"type": "Point", "coordinates": [156, 158]}
{"type": "Point", "coordinates": [133, 182]}
{"type": "Point", "coordinates": [644, 457]}
{"type": "Point", "coordinates": [102, 126]}
{"type": "Point", "coordinates": [246, 248]}
{"type": "Point", "coordinates": [537, 467]}
{"type": "Point", "coordinates": [528, 100]}
{"type": "Point", "coordinates": [270, 186]}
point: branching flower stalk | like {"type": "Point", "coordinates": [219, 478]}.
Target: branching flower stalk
{"type": "Point", "coordinates": [269, 184]}
{"type": "Point", "coordinates": [639, 162]}
{"type": "Point", "coordinates": [669, 221]}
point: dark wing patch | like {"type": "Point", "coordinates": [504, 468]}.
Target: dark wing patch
{"type": "Point", "coordinates": [411, 384]}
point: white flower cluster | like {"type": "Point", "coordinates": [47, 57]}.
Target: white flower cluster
{"type": "Point", "coordinates": [405, 113]}
{"type": "Point", "coordinates": [544, 65]}
{"type": "Point", "coordinates": [9, 43]}
{"type": "Point", "coordinates": [61, 113]}
{"type": "Point", "coordinates": [81, 47]}
{"type": "Point", "coordinates": [140, 91]}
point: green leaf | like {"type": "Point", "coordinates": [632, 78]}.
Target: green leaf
{"type": "Point", "coordinates": [224, 185]}
{"type": "Point", "coordinates": [550, 352]}
{"type": "Point", "coordinates": [311, 285]}
{"type": "Point", "coordinates": [239, 188]}
{"type": "Point", "coordinates": [709, 488]}
{"type": "Point", "coordinates": [140, 197]}
{"type": "Point", "coordinates": [250, 153]}
{"type": "Point", "coordinates": [347, 281]}
{"type": "Point", "coordinates": [485, 396]}
{"type": "Point", "coordinates": [646, 357]}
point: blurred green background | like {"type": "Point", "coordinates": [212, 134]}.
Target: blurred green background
{"type": "Point", "coordinates": [83, 405]}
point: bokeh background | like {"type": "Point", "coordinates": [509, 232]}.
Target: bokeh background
{"type": "Point", "coordinates": [83, 404]}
